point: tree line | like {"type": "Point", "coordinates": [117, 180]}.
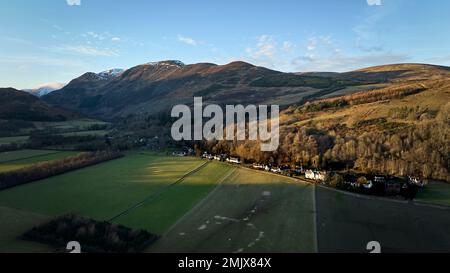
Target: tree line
{"type": "Point", "coordinates": [47, 169]}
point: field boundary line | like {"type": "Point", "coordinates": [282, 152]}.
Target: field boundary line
{"type": "Point", "coordinates": [430, 205]}
{"type": "Point", "coordinates": [364, 196]}
{"type": "Point", "coordinates": [158, 193]}
{"type": "Point", "coordinates": [316, 232]}
{"type": "Point", "coordinates": [29, 157]}
{"type": "Point", "coordinates": [201, 202]}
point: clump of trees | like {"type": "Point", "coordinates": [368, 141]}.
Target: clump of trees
{"type": "Point", "coordinates": [55, 167]}
{"type": "Point", "coordinates": [93, 236]}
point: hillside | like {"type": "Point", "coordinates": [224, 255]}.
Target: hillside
{"type": "Point", "coordinates": [20, 105]}
{"type": "Point", "coordinates": [19, 110]}
{"type": "Point", "coordinates": [401, 127]}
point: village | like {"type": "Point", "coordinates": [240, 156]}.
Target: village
{"type": "Point", "coordinates": [370, 184]}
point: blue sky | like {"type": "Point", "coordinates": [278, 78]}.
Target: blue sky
{"type": "Point", "coordinates": [57, 40]}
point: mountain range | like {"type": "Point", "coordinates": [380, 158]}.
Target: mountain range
{"type": "Point", "coordinates": [153, 88]}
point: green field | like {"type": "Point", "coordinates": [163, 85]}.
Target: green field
{"type": "Point", "coordinates": [87, 133]}
{"type": "Point", "coordinates": [13, 140]}
{"type": "Point", "coordinates": [347, 222]}
{"type": "Point", "coordinates": [435, 192]}
{"type": "Point", "coordinates": [14, 160]}
{"type": "Point", "coordinates": [167, 206]}
{"type": "Point", "coordinates": [203, 206]}
{"type": "Point", "coordinates": [166, 195]}
{"type": "Point", "coordinates": [81, 124]}
{"type": "Point", "coordinates": [14, 223]}
{"type": "Point", "coordinates": [100, 191]}
{"type": "Point", "coordinates": [249, 212]}
{"type": "Point", "coordinates": [106, 190]}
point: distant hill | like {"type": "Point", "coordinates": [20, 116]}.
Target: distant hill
{"type": "Point", "coordinates": [45, 89]}
{"type": "Point", "coordinates": [20, 105]}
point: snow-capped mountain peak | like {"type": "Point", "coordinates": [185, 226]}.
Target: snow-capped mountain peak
{"type": "Point", "coordinates": [111, 73]}
{"type": "Point", "coordinates": [45, 89]}
{"type": "Point", "coordinates": [167, 63]}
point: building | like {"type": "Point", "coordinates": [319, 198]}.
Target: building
{"type": "Point", "coordinates": [318, 176]}
{"type": "Point", "coordinates": [179, 153]}
{"type": "Point", "coordinates": [416, 181]}
{"type": "Point", "coordinates": [379, 179]}
{"type": "Point", "coordinates": [275, 170]}
{"type": "Point", "coordinates": [258, 166]}
{"type": "Point", "coordinates": [234, 160]}
{"type": "Point", "coordinates": [392, 188]}
{"type": "Point", "coordinates": [207, 156]}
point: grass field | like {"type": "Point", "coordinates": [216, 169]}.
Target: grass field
{"type": "Point", "coordinates": [14, 160]}
{"type": "Point", "coordinates": [106, 190]}
{"type": "Point", "coordinates": [81, 124]}
{"type": "Point", "coordinates": [346, 223]}
{"type": "Point", "coordinates": [87, 133]}
{"type": "Point", "coordinates": [165, 207]}
{"type": "Point", "coordinates": [435, 192]}
{"type": "Point", "coordinates": [249, 212]}
{"type": "Point", "coordinates": [100, 191]}
{"type": "Point", "coordinates": [13, 140]}
{"type": "Point", "coordinates": [200, 206]}
{"type": "Point", "coordinates": [13, 223]}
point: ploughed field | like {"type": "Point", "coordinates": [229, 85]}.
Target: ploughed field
{"type": "Point", "coordinates": [347, 222]}
{"type": "Point", "coordinates": [208, 206]}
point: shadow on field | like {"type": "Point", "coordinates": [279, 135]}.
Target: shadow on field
{"type": "Point", "coordinates": [346, 223]}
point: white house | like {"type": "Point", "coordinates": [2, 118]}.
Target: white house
{"type": "Point", "coordinates": [234, 160]}
{"type": "Point", "coordinates": [275, 170]}
{"type": "Point", "coordinates": [313, 175]}
{"type": "Point", "coordinates": [258, 166]}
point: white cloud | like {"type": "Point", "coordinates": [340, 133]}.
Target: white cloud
{"type": "Point", "coordinates": [267, 53]}
{"type": "Point", "coordinates": [40, 60]}
{"type": "Point", "coordinates": [115, 39]}
{"type": "Point", "coordinates": [374, 2]}
{"type": "Point", "coordinates": [340, 62]}
{"type": "Point", "coordinates": [74, 2]}
{"type": "Point", "coordinates": [187, 40]}
{"type": "Point", "coordinates": [312, 44]}
{"type": "Point", "coordinates": [315, 42]}
{"type": "Point", "coordinates": [287, 46]}
{"type": "Point", "coordinates": [92, 51]}
{"type": "Point", "coordinates": [94, 35]}
{"type": "Point", "coordinates": [265, 48]}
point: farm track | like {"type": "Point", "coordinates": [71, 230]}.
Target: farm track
{"type": "Point", "coordinates": [158, 193]}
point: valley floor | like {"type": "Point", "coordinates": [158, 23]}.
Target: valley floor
{"type": "Point", "coordinates": [200, 206]}
{"type": "Point", "coordinates": [248, 212]}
